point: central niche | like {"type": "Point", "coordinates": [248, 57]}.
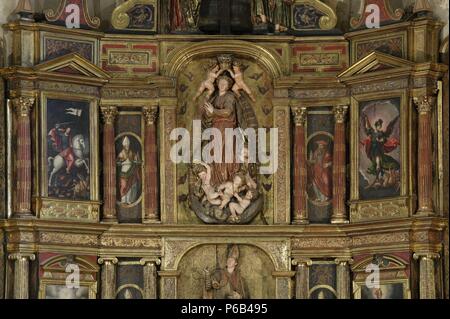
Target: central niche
{"type": "Point", "coordinates": [226, 107]}
{"type": "Point", "coordinates": [226, 272]}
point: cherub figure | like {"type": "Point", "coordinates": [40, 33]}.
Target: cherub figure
{"type": "Point", "coordinates": [239, 84]}
{"type": "Point", "coordinates": [228, 189]}
{"type": "Point", "coordinates": [236, 209]}
{"type": "Point", "coordinates": [208, 84]}
{"type": "Point", "coordinates": [211, 195]}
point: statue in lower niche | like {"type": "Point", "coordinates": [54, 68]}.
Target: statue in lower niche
{"type": "Point", "coordinates": [227, 282]}
{"type": "Point", "coordinates": [225, 191]}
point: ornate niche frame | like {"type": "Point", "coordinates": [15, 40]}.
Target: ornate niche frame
{"type": "Point", "coordinates": [394, 273]}
{"type": "Point", "coordinates": [121, 19]}
{"type": "Point", "coordinates": [388, 207]}
{"type": "Point", "coordinates": [53, 274]}
{"type": "Point", "coordinates": [81, 210]}
{"type": "Point", "coordinates": [326, 22]}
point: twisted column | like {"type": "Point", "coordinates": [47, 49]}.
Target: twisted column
{"type": "Point", "coordinates": [151, 211]}
{"type": "Point", "coordinates": [300, 169]}
{"type": "Point", "coordinates": [339, 163]}
{"type": "Point", "coordinates": [23, 107]}
{"type": "Point", "coordinates": [108, 276]}
{"type": "Point", "coordinates": [109, 165]}
{"type": "Point", "coordinates": [21, 274]}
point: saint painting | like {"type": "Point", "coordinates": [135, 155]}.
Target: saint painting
{"type": "Point", "coordinates": [68, 149]}
{"type": "Point", "coordinates": [320, 164]}
{"type": "Point", "coordinates": [380, 154]}
{"type": "Point", "coordinates": [129, 168]}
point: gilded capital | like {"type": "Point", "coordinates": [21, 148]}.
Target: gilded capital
{"type": "Point", "coordinates": [21, 256]}
{"type": "Point", "coordinates": [149, 261]}
{"type": "Point", "coordinates": [108, 260]}
{"type": "Point", "coordinates": [302, 262]}
{"type": "Point", "coordinates": [109, 114]}
{"type": "Point", "coordinates": [424, 104]}
{"type": "Point", "coordinates": [150, 114]}
{"type": "Point", "coordinates": [340, 113]}
{"type": "Point", "coordinates": [300, 115]}
{"type": "Point", "coordinates": [23, 105]}
{"type": "Point", "coordinates": [426, 255]}
{"type": "Point", "coordinates": [343, 261]}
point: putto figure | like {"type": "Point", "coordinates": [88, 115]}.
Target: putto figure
{"type": "Point", "coordinates": [208, 84]}
{"type": "Point", "coordinates": [239, 84]}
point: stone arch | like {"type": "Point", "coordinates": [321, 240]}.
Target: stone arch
{"type": "Point", "coordinates": [177, 59]}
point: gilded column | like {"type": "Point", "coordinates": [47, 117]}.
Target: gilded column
{"type": "Point", "coordinates": [109, 165]}
{"type": "Point", "coordinates": [343, 277]}
{"type": "Point", "coordinates": [108, 277]}
{"type": "Point", "coordinates": [23, 107]}
{"type": "Point", "coordinates": [424, 160]}
{"type": "Point", "coordinates": [150, 277]}
{"type": "Point", "coordinates": [151, 166]}
{"type": "Point", "coordinates": [427, 274]}
{"type": "Point", "coordinates": [302, 277]}
{"type": "Point", "coordinates": [300, 169]}
{"type": "Point", "coordinates": [339, 164]}
{"type": "Point", "coordinates": [21, 274]}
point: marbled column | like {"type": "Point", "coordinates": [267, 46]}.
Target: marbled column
{"type": "Point", "coordinates": [339, 163]}
{"type": "Point", "coordinates": [150, 277]}
{"type": "Point", "coordinates": [425, 153]}
{"type": "Point", "coordinates": [109, 165]}
{"type": "Point", "coordinates": [108, 277]}
{"type": "Point", "coordinates": [23, 107]}
{"type": "Point", "coordinates": [21, 274]}
{"type": "Point", "coordinates": [427, 274]}
{"type": "Point", "coordinates": [151, 211]}
{"type": "Point", "coordinates": [302, 277]}
{"type": "Point", "coordinates": [343, 277]}
{"type": "Point", "coordinates": [300, 169]}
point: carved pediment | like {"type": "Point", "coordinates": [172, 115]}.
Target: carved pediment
{"type": "Point", "coordinates": [74, 65]}
{"type": "Point", "coordinates": [376, 62]}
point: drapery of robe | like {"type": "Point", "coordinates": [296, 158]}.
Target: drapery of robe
{"type": "Point", "coordinates": [322, 175]}
{"type": "Point", "coordinates": [224, 117]}
{"type": "Point", "coordinates": [130, 177]}
{"type": "Point", "coordinates": [176, 15]}
{"type": "Point", "coordinates": [229, 283]}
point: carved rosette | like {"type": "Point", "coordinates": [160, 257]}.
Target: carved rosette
{"type": "Point", "coordinates": [424, 106]}
{"type": "Point", "coordinates": [300, 169]}
{"type": "Point", "coordinates": [151, 208]}
{"type": "Point", "coordinates": [109, 114]}
{"type": "Point", "coordinates": [339, 163]}
{"type": "Point", "coordinates": [23, 107]}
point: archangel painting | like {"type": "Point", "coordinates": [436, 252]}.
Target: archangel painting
{"type": "Point", "coordinates": [226, 191]}
{"type": "Point", "coordinates": [68, 151]}
{"type": "Point", "coordinates": [379, 154]}
{"type": "Point", "coordinates": [129, 167]}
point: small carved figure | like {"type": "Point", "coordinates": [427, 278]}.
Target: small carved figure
{"type": "Point", "coordinates": [228, 189]}
{"type": "Point", "coordinates": [208, 84]}
{"type": "Point", "coordinates": [239, 84]}
{"type": "Point", "coordinates": [210, 193]}
{"type": "Point", "coordinates": [238, 208]}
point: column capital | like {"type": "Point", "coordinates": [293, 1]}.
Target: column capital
{"type": "Point", "coordinates": [424, 104]}
{"type": "Point", "coordinates": [21, 256]}
{"type": "Point", "coordinates": [150, 114]}
{"type": "Point", "coordinates": [300, 115]}
{"type": "Point", "coordinates": [23, 105]}
{"type": "Point", "coordinates": [426, 255]}
{"type": "Point", "coordinates": [302, 262]}
{"type": "Point", "coordinates": [343, 261]}
{"type": "Point", "coordinates": [340, 113]}
{"type": "Point", "coordinates": [147, 261]}
{"type": "Point", "coordinates": [108, 260]}
{"type": "Point", "coordinates": [109, 114]}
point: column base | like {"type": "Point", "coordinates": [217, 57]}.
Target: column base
{"type": "Point", "coordinates": [27, 215]}
{"type": "Point", "coordinates": [339, 220]}
{"type": "Point", "coordinates": [425, 213]}
{"type": "Point", "coordinates": [109, 221]}
{"type": "Point", "coordinates": [151, 221]}
{"type": "Point", "coordinates": [300, 222]}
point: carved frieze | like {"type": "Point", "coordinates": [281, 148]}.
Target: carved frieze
{"type": "Point", "coordinates": [77, 211]}
{"type": "Point", "coordinates": [59, 238]}
{"type": "Point", "coordinates": [373, 210]}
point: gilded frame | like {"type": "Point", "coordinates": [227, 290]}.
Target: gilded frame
{"type": "Point", "coordinates": [379, 208]}
{"type": "Point", "coordinates": [69, 38]}
{"type": "Point", "coordinates": [91, 206]}
{"type": "Point", "coordinates": [358, 285]}
{"type": "Point", "coordinates": [44, 282]}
